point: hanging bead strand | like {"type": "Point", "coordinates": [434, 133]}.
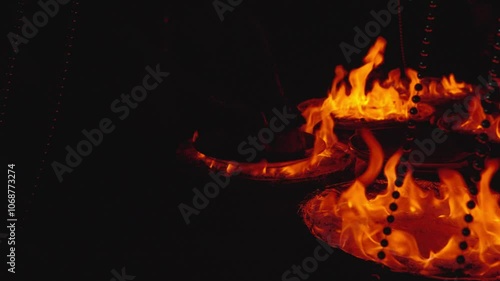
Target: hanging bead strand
{"type": "Point", "coordinates": [430, 18]}
{"type": "Point", "coordinates": [70, 37]}
{"type": "Point", "coordinates": [477, 162]}
{"type": "Point", "coordinates": [59, 90]}
{"type": "Point", "coordinates": [6, 91]}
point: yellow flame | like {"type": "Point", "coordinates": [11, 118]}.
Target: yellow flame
{"type": "Point", "coordinates": [427, 230]}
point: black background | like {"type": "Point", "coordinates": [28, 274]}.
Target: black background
{"type": "Point", "coordinates": [119, 207]}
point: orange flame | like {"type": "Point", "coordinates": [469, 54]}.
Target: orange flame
{"type": "Point", "coordinates": [384, 100]}
{"type": "Point", "coordinates": [357, 98]}
{"type": "Point", "coordinates": [376, 159]}
{"type": "Point", "coordinates": [476, 115]}
{"type": "Point", "coordinates": [390, 99]}
{"type": "Point", "coordinates": [426, 234]}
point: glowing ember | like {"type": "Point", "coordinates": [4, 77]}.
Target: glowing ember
{"type": "Point", "coordinates": [434, 229]}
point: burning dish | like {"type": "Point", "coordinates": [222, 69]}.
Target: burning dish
{"type": "Point", "coordinates": [292, 146]}
{"type": "Point", "coordinates": [438, 91]}
{"type": "Point", "coordinates": [318, 161]}
{"type": "Point", "coordinates": [472, 120]}
{"type": "Point", "coordinates": [382, 220]}
{"type": "Point", "coordinates": [431, 251]}
{"type": "Point", "coordinates": [364, 97]}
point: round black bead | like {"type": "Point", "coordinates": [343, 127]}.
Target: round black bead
{"type": "Point", "coordinates": [478, 164]}
{"type": "Point", "coordinates": [387, 230]}
{"type": "Point", "coordinates": [430, 16]}
{"type": "Point", "coordinates": [381, 255]}
{"type": "Point", "coordinates": [426, 41]}
{"type": "Point", "coordinates": [407, 147]}
{"type": "Point", "coordinates": [482, 150]}
{"type": "Point", "coordinates": [468, 218]}
{"type": "Point", "coordinates": [390, 218]}
{"type": "Point", "coordinates": [466, 231]}
{"type": "Point", "coordinates": [463, 245]}
{"type": "Point", "coordinates": [409, 136]}
{"type": "Point", "coordinates": [413, 110]}
{"type": "Point", "coordinates": [487, 110]}
{"type": "Point", "coordinates": [403, 159]}
{"type": "Point", "coordinates": [475, 178]}
{"type": "Point", "coordinates": [423, 53]}
{"type": "Point", "coordinates": [402, 169]}
{"type": "Point", "coordinates": [493, 85]}
{"type": "Point", "coordinates": [424, 61]}
{"type": "Point", "coordinates": [422, 65]}
{"type": "Point", "coordinates": [393, 206]}
{"type": "Point", "coordinates": [411, 124]}
{"type": "Point", "coordinates": [485, 124]}
{"type": "Point", "coordinates": [482, 137]}
{"type": "Point", "coordinates": [471, 204]}
{"type": "Point", "coordinates": [396, 194]}
{"type": "Point", "coordinates": [416, 99]}
{"type": "Point", "coordinates": [399, 182]}
{"type": "Point", "coordinates": [473, 190]}
{"type": "Point", "coordinates": [489, 97]}
{"type": "Point", "coordinates": [460, 259]}
{"type": "Point", "coordinates": [420, 75]}
{"type": "Point", "coordinates": [384, 243]}
{"type": "Point", "coordinates": [418, 87]}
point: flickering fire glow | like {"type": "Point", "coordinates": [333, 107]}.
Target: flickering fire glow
{"type": "Point", "coordinates": [354, 96]}
{"type": "Point", "coordinates": [432, 228]}
{"type": "Point", "coordinates": [477, 121]}
{"type": "Point", "coordinates": [389, 99]}
{"type": "Point", "coordinates": [327, 161]}
{"type": "Point", "coordinates": [426, 232]}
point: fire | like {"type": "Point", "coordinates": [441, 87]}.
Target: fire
{"type": "Point", "coordinates": [354, 96]}
{"type": "Point", "coordinates": [389, 99]}
{"type": "Point", "coordinates": [473, 122]}
{"type": "Point", "coordinates": [426, 236]}
{"type": "Point", "coordinates": [321, 163]}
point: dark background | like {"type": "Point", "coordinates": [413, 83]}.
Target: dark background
{"type": "Point", "coordinates": [119, 207]}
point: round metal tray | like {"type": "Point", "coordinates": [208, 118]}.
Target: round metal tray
{"type": "Point", "coordinates": [453, 153]}
{"type": "Point", "coordinates": [325, 224]}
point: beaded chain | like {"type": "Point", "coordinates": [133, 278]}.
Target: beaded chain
{"type": "Point", "coordinates": [6, 91]}
{"type": "Point", "coordinates": [482, 148]}
{"type": "Point", "coordinates": [59, 92]}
